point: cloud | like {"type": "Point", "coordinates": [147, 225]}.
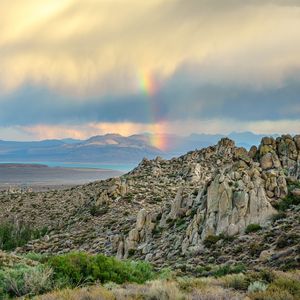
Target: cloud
{"type": "Point", "coordinates": [69, 64]}
{"type": "Point", "coordinates": [93, 47]}
{"type": "Point", "coordinates": [86, 130]}
{"type": "Point", "coordinates": [182, 97]}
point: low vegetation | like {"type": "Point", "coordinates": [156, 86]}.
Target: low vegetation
{"type": "Point", "coordinates": [80, 276]}
{"type": "Point", "coordinates": [13, 236]}
{"type": "Point", "coordinates": [250, 286]}
{"type": "Point", "coordinates": [252, 228]}
{"type": "Point", "coordinates": [79, 267]}
{"type": "Point", "coordinates": [40, 274]}
{"type": "Point", "coordinates": [290, 199]}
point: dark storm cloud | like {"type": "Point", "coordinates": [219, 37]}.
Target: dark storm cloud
{"type": "Point", "coordinates": [33, 105]}
{"type": "Point", "coordinates": [182, 97]}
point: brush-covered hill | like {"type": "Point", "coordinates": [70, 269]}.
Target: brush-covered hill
{"type": "Point", "coordinates": [222, 204]}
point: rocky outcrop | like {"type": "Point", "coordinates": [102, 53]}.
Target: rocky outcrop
{"type": "Point", "coordinates": [281, 153]}
{"type": "Point", "coordinates": [240, 194]}
{"type": "Point", "coordinates": [166, 210]}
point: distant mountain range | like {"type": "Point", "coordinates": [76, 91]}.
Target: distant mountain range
{"type": "Point", "coordinates": [113, 148]}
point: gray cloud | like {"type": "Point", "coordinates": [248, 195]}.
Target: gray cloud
{"type": "Point", "coordinates": [184, 96]}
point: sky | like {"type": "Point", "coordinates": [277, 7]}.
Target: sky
{"type": "Point", "coordinates": [72, 68]}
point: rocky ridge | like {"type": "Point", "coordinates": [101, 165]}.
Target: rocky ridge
{"type": "Point", "coordinates": [165, 211]}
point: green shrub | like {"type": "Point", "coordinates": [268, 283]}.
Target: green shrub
{"type": "Point", "coordinates": [12, 236]}
{"type": "Point", "coordinates": [252, 228]}
{"type": "Point", "coordinates": [227, 269]}
{"type": "Point", "coordinates": [180, 222]}
{"type": "Point", "coordinates": [166, 274]}
{"type": "Point", "coordinates": [256, 248]}
{"type": "Point", "coordinates": [97, 211]}
{"type": "Point", "coordinates": [25, 280]}
{"type": "Point", "coordinates": [35, 256]}
{"type": "Point", "coordinates": [78, 267]}
{"type": "Point", "coordinates": [128, 197]}
{"type": "Point", "coordinates": [203, 270]}
{"type": "Point", "coordinates": [267, 275]}
{"type": "Point", "coordinates": [289, 200]}
{"type": "Point", "coordinates": [227, 238]}
{"type": "Point", "coordinates": [211, 240]}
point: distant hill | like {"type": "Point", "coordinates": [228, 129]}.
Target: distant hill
{"type": "Point", "coordinates": [113, 148]}
{"type": "Point", "coordinates": [101, 149]}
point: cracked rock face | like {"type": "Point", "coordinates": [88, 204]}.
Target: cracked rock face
{"type": "Point", "coordinates": [164, 210]}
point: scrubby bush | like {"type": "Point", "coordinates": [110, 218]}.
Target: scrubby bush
{"type": "Point", "coordinates": [166, 274]}
{"type": "Point", "coordinates": [235, 281]}
{"type": "Point", "coordinates": [35, 256]}
{"type": "Point", "coordinates": [219, 271]}
{"type": "Point", "coordinates": [97, 211]}
{"type": "Point", "coordinates": [286, 240]}
{"type": "Point", "coordinates": [86, 293]}
{"type": "Point", "coordinates": [204, 271]}
{"type": "Point", "coordinates": [257, 286]}
{"type": "Point", "coordinates": [25, 280]}
{"type": "Point", "coordinates": [282, 288]}
{"type": "Point", "coordinates": [227, 269]}
{"type": "Point", "coordinates": [272, 294]}
{"type": "Point", "coordinates": [188, 284]}
{"type": "Point", "coordinates": [79, 267]}
{"type": "Point", "coordinates": [211, 240]}
{"type": "Point", "coordinates": [13, 236]}
{"type": "Point", "coordinates": [290, 285]}
{"type": "Point", "coordinates": [256, 248]}
{"type": "Point", "coordinates": [279, 216]}
{"type": "Point", "coordinates": [289, 200]}
{"type": "Point", "coordinates": [252, 228]}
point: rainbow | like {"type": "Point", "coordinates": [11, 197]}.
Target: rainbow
{"type": "Point", "coordinates": [149, 86]}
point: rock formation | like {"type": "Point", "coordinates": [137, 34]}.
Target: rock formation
{"type": "Point", "coordinates": [165, 210]}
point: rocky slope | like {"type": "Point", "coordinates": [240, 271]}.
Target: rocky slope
{"type": "Point", "coordinates": [186, 212]}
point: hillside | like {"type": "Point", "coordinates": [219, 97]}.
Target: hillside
{"type": "Point", "coordinates": [219, 205]}
{"type": "Point", "coordinates": [109, 148]}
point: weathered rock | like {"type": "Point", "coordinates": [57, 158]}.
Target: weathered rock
{"type": "Point", "coordinates": [269, 160]}
{"type": "Point", "coordinates": [141, 219]}
{"type": "Point", "coordinates": [176, 207]}
{"type": "Point", "coordinates": [252, 152]}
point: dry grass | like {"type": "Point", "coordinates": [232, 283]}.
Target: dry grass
{"type": "Point", "coordinates": [230, 287]}
{"type": "Point", "coordinates": [186, 289]}
{"type": "Point", "coordinates": [89, 293]}
{"type": "Point", "coordinates": [234, 281]}
{"type": "Point", "coordinates": [183, 289]}
{"type": "Point", "coordinates": [154, 290]}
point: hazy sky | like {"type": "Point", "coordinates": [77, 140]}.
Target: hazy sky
{"type": "Point", "coordinates": [73, 68]}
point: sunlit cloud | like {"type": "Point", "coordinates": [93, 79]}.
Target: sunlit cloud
{"type": "Point", "coordinates": [73, 68]}
{"type": "Point", "coordinates": [100, 46]}
{"type": "Point", "coordinates": [213, 126]}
